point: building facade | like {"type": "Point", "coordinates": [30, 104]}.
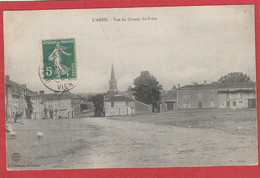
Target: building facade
{"type": "Point", "coordinates": [37, 105]}
{"type": "Point", "coordinates": [217, 95]}
{"type": "Point", "coordinates": [15, 101]}
{"type": "Point", "coordinates": [237, 96]}
{"type": "Point", "coordinates": [60, 105]}
{"type": "Point", "coordinates": [117, 105]}
{"type": "Point", "coordinates": [169, 100]}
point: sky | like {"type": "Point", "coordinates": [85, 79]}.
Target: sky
{"type": "Point", "coordinates": [180, 45]}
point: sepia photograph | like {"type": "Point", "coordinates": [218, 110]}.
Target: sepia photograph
{"type": "Point", "coordinates": [130, 87]}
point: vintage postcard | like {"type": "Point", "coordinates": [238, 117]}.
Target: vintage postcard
{"type": "Point", "coordinates": [130, 87]}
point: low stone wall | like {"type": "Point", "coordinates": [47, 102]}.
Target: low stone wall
{"type": "Point", "coordinates": [141, 108]}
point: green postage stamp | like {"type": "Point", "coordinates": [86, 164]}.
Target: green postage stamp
{"type": "Point", "coordinates": [58, 69]}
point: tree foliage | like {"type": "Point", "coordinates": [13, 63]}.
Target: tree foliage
{"type": "Point", "coordinates": [29, 109]}
{"type": "Point", "coordinates": [147, 89]}
{"type": "Point", "coordinates": [130, 90]}
{"type": "Point", "coordinates": [98, 101]}
{"type": "Point", "coordinates": [235, 77]}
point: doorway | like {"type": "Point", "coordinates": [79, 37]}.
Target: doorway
{"type": "Point", "coordinates": [251, 103]}
{"type": "Point", "coordinates": [200, 104]}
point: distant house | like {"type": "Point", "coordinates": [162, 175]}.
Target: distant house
{"type": "Point", "coordinates": [75, 102]}
{"type": "Point", "coordinates": [60, 105]}
{"type": "Point", "coordinates": [197, 96]}
{"type": "Point", "coordinates": [169, 100]}
{"type": "Point", "coordinates": [37, 104]}
{"type": "Point", "coordinates": [237, 95]}
{"type": "Point", "coordinates": [121, 103]}
{"type": "Point", "coordinates": [217, 95]}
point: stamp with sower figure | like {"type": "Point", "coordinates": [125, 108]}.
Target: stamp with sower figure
{"type": "Point", "coordinates": [58, 69]}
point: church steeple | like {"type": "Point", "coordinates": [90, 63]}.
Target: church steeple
{"type": "Point", "coordinates": [112, 82]}
{"type": "Point", "coordinates": [113, 78]}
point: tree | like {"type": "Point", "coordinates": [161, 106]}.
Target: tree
{"type": "Point", "coordinates": [98, 101]}
{"type": "Point", "coordinates": [130, 90]}
{"type": "Point", "coordinates": [29, 109]}
{"type": "Point", "coordinates": [147, 89]}
{"type": "Point", "coordinates": [234, 77]}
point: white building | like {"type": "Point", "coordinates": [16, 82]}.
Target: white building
{"type": "Point", "coordinates": [118, 103]}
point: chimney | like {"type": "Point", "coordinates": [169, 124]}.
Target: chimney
{"type": "Point", "coordinates": [205, 82]}
{"type": "Point", "coordinates": [179, 85]}
{"type": "Point", "coordinates": [41, 92]}
{"type": "Point", "coordinates": [7, 77]}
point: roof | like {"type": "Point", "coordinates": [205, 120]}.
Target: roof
{"type": "Point", "coordinates": [170, 95]}
{"type": "Point", "coordinates": [71, 95]}
{"type": "Point", "coordinates": [16, 89]}
{"type": "Point", "coordinates": [118, 98]}
{"type": "Point", "coordinates": [12, 83]}
{"type": "Point", "coordinates": [59, 96]}
{"type": "Point", "coordinates": [126, 94]}
{"type": "Point", "coordinates": [32, 93]}
{"type": "Point", "coordinates": [216, 85]}
{"type": "Point", "coordinates": [53, 96]}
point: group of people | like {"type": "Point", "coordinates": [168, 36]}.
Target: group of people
{"type": "Point", "coordinates": [51, 114]}
{"type": "Point", "coordinates": [17, 115]}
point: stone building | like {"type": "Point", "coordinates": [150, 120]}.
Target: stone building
{"type": "Point", "coordinates": [53, 105]}
{"type": "Point", "coordinates": [60, 105]}
{"type": "Point", "coordinates": [216, 95]}
{"type": "Point", "coordinates": [237, 95]}
{"type": "Point", "coordinates": [169, 100]}
{"type": "Point", "coordinates": [37, 104]}
{"type": "Point", "coordinates": [75, 102]}
{"type": "Point", "coordinates": [197, 96]}
{"type": "Point", "coordinates": [14, 99]}
{"type": "Point", "coordinates": [121, 103]}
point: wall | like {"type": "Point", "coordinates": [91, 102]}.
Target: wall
{"type": "Point", "coordinates": [141, 108]}
{"type": "Point", "coordinates": [15, 102]}
{"type": "Point", "coordinates": [76, 106]}
{"type": "Point", "coordinates": [8, 103]}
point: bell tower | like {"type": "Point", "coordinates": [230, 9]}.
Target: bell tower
{"type": "Point", "coordinates": [112, 81]}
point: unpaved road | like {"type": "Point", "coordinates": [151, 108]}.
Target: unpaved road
{"type": "Point", "coordinates": [162, 140]}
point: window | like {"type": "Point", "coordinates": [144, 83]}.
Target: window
{"type": "Point", "coordinates": [200, 105]}
{"type": "Point", "coordinates": [126, 103]}
{"type": "Point", "coordinates": [112, 104]}
{"type": "Point", "coordinates": [186, 105]}
{"type": "Point", "coordinates": [200, 96]}
{"type": "Point", "coordinates": [234, 103]}
{"type": "Point", "coordinates": [187, 96]}
{"type": "Point", "coordinates": [228, 104]}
